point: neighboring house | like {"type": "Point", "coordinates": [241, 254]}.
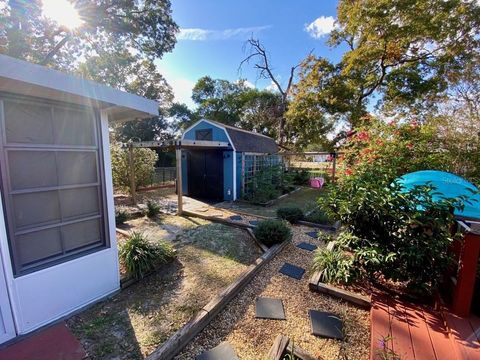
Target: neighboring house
{"type": "Point", "coordinates": [216, 173]}
{"type": "Point", "coordinates": [57, 221]}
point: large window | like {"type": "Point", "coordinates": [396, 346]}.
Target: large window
{"type": "Point", "coordinates": [51, 160]}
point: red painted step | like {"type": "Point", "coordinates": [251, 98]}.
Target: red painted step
{"type": "Point", "coordinates": [53, 343]}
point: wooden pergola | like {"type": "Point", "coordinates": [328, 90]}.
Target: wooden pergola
{"type": "Point", "coordinates": [172, 145]}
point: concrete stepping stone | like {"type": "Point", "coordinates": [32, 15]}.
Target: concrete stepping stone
{"type": "Point", "coordinates": [292, 271]}
{"type": "Point", "coordinates": [236, 218]}
{"type": "Point", "coordinates": [224, 351]}
{"type": "Point", "coordinates": [312, 234]}
{"type": "Point", "coordinates": [307, 246]}
{"type": "Point", "coordinates": [268, 308]}
{"type": "Point", "coordinates": [326, 324]}
{"type": "Point", "coordinates": [253, 222]}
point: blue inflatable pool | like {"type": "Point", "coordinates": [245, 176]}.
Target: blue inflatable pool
{"type": "Point", "coordinates": [449, 185]}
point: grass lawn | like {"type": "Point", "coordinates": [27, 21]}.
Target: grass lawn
{"type": "Point", "coordinates": [305, 198]}
{"type": "Point", "coordinates": [131, 324]}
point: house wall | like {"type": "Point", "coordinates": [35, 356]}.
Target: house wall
{"type": "Point", "coordinates": [43, 296]}
{"type": "Point", "coordinates": [218, 134]}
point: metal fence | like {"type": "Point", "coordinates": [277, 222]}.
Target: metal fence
{"type": "Point", "coordinates": [163, 176]}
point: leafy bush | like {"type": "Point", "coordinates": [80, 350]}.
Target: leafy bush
{"type": "Point", "coordinates": [268, 184]}
{"type": "Point", "coordinates": [292, 214]}
{"type": "Point", "coordinates": [264, 186]}
{"type": "Point", "coordinates": [144, 166]}
{"type": "Point", "coordinates": [120, 217]}
{"type": "Point", "coordinates": [153, 209]}
{"type": "Point", "coordinates": [334, 266]}
{"type": "Point", "coordinates": [319, 217]}
{"type": "Point", "coordinates": [271, 232]}
{"type": "Point", "coordinates": [301, 177]}
{"type": "Point", "coordinates": [404, 236]}
{"type": "Point", "coordinates": [140, 257]}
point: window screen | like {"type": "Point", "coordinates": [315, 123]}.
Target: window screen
{"type": "Point", "coordinates": [51, 181]}
{"type": "Point", "coordinates": [203, 134]}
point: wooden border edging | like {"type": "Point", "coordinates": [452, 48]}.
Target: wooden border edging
{"type": "Point", "coordinates": [218, 219]}
{"type": "Point", "coordinates": [262, 246]}
{"type": "Point", "coordinates": [184, 335]}
{"type": "Point", "coordinates": [315, 285]}
{"type": "Point", "coordinates": [123, 232]}
{"type": "Point", "coordinates": [283, 344]}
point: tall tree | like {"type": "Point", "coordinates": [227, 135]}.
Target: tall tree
{"type": "Point", "coordinates": [143, 27]}
{"type": "Point", "coordinates": [405, 54]}
{"type": "Point", "coordinates": [219, 99]}
{"type": "Point", "coordinates": [258, 54]}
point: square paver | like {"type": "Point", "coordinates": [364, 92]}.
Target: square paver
{"type": "Point", "coordinates": [236, 217]}
{"type": "Point", "coordinates": [326, 324]}
{"type": "Point", "coordinates": [293, 271]}
{"type": "Point", "coordinates": [267, 308]}
{"type": "Point", "coordinates": [224, 351]}
{"type": "Point", "coordinates": [307, 246]}
{"type": "Point", "coordinates": [312, 234]}
{"type": "Point", "coordinates": [253, 222]}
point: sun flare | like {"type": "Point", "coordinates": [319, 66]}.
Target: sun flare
{"type": "Point", "coordinates": [62, 12]}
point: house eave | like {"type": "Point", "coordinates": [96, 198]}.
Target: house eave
{"type": "Point", "coordinates": [24, 78]}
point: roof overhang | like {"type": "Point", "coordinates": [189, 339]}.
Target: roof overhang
{"type": "Point", "coordinates": [180, 144]}
{"type": "Point", "coordinates": [24, 78]}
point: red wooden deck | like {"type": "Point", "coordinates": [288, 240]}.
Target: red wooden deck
{"type": "Point", "coordinates": [419, 333]}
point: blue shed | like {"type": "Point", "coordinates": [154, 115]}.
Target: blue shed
{"type": "Point", "coordinates": [216, 173]}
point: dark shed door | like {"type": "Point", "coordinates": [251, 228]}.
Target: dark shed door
{"type": "Point", "coordinates": [205, 174]}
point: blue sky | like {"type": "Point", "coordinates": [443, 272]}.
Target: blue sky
{"type": "Point", "coordinates": [213, 33]}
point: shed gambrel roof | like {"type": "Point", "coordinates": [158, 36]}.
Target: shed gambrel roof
{"type": "Point", "coordinates": [245, 141]}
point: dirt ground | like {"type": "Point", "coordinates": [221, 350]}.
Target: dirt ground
{"type": "Point", "coordinates": [131, 324]}
{"type": "Point", "coordinates": [252, 338]}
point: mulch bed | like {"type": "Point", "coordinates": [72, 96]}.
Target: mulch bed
{"type": "Point", "coordinates": [252, 338]}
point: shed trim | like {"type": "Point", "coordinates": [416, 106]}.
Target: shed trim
{"type": "Point", "coordinates": [213, 124]}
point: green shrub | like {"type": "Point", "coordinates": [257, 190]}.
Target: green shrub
{"type": "Point", "coordinates": [319, 217]}
{"type": "Point", "coordinates": [153, 209]}
{"type": "Point", "coordinates": [335, 266]}
{"type": "Point", "coordinates": [271, 232]}
{"type": "Point", "coordinates": [140, 257]}
{"type": "Point", "coordinates": [292, 214]}
{"type": "Point", "coordinates": [404, 236]}
{"type": "Point", "coordinates": [120, 217]}
{"type": "Point", "coordinates": [144, 166]}
{"type": "Point", "coordinates": [301, 177]}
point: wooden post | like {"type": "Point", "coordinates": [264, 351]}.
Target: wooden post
{"type": "Point", "coordinates": [131, 173]}
{"type": "Point", "coordinates": [179, 179]}
{"type": "Point", "coordinates": [243, 174]}
{"type": "Point", "coordinates": [467, 269]}
{"type": "Point", "coordinates": [334, 169]}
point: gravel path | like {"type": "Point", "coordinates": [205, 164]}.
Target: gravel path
{"type": "Point", "coordinates": [252, 338]}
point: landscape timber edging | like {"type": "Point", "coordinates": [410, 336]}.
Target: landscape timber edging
{"type": "Point", "coordinates": [217, 219]}
{"type": "Point", "coordinates": [184, 335]}
{"type": "Point", "coordinates": [314, 284]}
{"type": "Point", "coordinates": [282, 345]}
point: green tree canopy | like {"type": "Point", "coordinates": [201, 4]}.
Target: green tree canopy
{"type": "Point", "coordinates": [405, 54]}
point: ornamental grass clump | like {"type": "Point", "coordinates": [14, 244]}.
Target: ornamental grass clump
{"type": "Point", "coordinates": [271, 232]}
{"type": "Point", "coordinates": [120, 217]}
{"type": "Point", "coordinates": [334, 266]}
{"type": "Point", "coordinates": [141, 257]}
{"type": "Point", "coordinates": [292, 214]}
{"type": "Point", "coordinates": [153, 209]}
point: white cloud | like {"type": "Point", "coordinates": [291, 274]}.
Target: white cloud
{"type": "Point", "coordinates": [246, 83]}
{"type": "Point", "coordinates": [320, 27]}
{"type": "Point", "coordinates": [198, 34]}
